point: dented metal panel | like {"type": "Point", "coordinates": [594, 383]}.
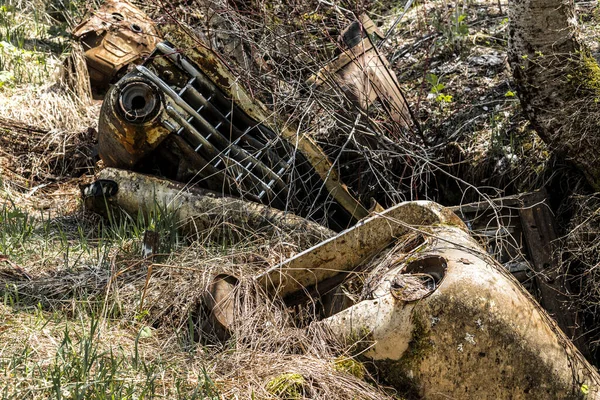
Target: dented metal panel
{"type": "Point", "coordinates": [363, 73]}
{"type": "Point", "coordinates": [520, 232]}
{"type": "Point", "coordinates": [116, 35]}
{"type": "Point", "coordinates": [437, 319]}
{"type": "Point", "coordinates": [477, 334]}
{"type": "Point", "coordinates": [350, 248]}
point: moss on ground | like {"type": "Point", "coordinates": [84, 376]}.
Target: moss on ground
{"type": "Point", "coordinates": [288, 386]}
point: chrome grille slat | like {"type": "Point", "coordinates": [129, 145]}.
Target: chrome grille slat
{"type": "Point", "coordinates": [214, 154]}
{"type": "Point", "coordinates": [204, 169]}
{"type": "Point", "coordinates": [187, 127]}
{"type": "Point", "coordinates": [224, 119]}
{"type": "Point", "coordinates": [203, 81]}
{"type": "Point", "coordinates": [234, 151]}
{"type": "Point", "coordinates": [225, 138]}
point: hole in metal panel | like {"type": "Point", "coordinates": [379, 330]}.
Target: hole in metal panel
{"type": "Point", "coordinates": [434, 266]}
{"type": "Point", "coordinates": [138, 103]}
{"type": "Point", "coordinates": [419, 279]}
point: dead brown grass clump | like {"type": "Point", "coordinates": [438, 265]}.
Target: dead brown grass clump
{"type": "Point", "coordinates": [47, 133]}
{"type": "Point", "coordinates": [167, 296]}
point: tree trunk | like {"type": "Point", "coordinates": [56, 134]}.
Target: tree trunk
{"type": "Point", "coordinates": [558, 81]}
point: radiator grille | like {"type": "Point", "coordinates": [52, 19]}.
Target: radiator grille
{"type": "Point", "coordinates": [211, 140]}
{"type": "Point", "coordinates": [229, 144]}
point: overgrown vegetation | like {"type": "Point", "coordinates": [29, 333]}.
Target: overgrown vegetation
{"type": "Point", "coordinates": [84, 316]}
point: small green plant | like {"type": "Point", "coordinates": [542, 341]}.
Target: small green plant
{"type": "Point", "coordinates": [28, 55]}
{"type": "Point", "coordinates": [459, 24]}
{"type": "Point", "coordinates": [454, 29]}
{"type": "Point", "coordinates": [16, 227]}
{"type": "Point", "coordinates": [10, 294]}
{"type": "Point", "coordinates": [459, 29]}
{"type": "Point", "coordinates": [86, 367]}
{"type": "Point", "coordinates": [585, 389]}
{"type": "Point", "coordinates": [120, 228]}
{"type": "Point", "coordinates": [436, 89]}
{"type": "Point", "coordinates": [208, 388]}
{"type": "Point", "coordinates": [82, 370]}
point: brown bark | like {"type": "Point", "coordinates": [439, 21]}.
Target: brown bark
{"type": "Point", "coordinates": [558, 81]}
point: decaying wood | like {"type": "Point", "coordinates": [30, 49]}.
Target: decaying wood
{"type": "Point", "coordinates": [477, 335]}
{"type": "Point", "coordinates": [364, 74]}
{"type": "Point", "coordinates": [540, 231]}
{"type": "Point", "coordinates": [202, 212]}
{"type": "Point", "coordinates": [219, 303]}
{"type": "Point", "coordinates": [20, 127]}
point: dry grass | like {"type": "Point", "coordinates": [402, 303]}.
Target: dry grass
{"type": "Point", "coordinates": [47, 133]}
{"type": "Point", "coordinates": [74, 276]}
{"type": "Point", "coordinates": [266, 340]}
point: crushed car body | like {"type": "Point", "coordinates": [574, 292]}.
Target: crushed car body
{"type": "Point", "coordinates": [434, 312]}
{"type": "Point", "coordinates": [115, 36]}
{"type": "Point", "coordinates": [434, 306]}
{"type": "Point", "coordinates": [183, 115]}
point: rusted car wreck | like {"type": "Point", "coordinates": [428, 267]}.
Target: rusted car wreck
{"type": "Point", "coordinates": [115, 36]}
{"type": "Point", "coordinates": [442, 318]}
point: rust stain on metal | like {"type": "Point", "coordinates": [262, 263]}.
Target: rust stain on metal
{"type": "Point", "coordinates": [125, 141]}
{"type": "Point", "coordinates": [350, 248]}
{"type": "Point", "coordinates": [116, 35]}
{"type": "Point", "coordinates": [363, 73]}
